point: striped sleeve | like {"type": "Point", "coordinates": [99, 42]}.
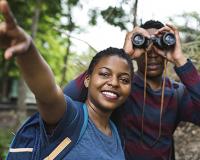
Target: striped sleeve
{"type": "Point", "coordinates": [190, 103]}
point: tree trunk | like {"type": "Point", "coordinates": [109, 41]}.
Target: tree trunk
{"type": "Point", "coordinates": [64, 69]}
{"type": "Point", "coordinates": [70, 29]}
{"type": "Point", "coordinates": [35, 19]}
{"type": "Point", "coordinates": [21, 105]}
{"type": "Point", "coordinates": [135, 13]}
{"type": "Point", "coordinates": [4, 89]}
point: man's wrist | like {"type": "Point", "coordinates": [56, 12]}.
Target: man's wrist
{"type": "Point", "coordinates": [181, 61]}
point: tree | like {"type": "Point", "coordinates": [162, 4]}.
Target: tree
{"type": "Point", "coordinates": [70, 27]}
{"type": "Point", "coordinates": [43, 16]}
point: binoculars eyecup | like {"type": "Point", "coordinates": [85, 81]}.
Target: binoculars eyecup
{"type": "Point", "coordinates": [166, 41]}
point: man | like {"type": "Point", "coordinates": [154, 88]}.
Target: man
{"type": "Point", "coordinates": [157, 104]}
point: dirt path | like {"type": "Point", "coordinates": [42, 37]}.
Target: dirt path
{"type": "Point", "coordinates": [187, 142]}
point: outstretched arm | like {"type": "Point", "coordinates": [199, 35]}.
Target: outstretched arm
{"type": "Point", "coordinates": [33, 67]}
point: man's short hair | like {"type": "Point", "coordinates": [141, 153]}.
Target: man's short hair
{"type": "Point", "coordinates": [152, 24]}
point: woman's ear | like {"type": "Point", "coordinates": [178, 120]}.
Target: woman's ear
{"type": "Point", "coordinates": [87, 81]}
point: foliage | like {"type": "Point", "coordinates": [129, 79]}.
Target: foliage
{"type": "Point", "coordinates": [80, 64]}
{"type": "Point", "coordinates": [49, 41]}
{"type": "Point", "coordinates": [190, 34]}
{"type": "Point", "coordinates": [5, 140]}
{"type": "Point", "coordinates": [116, 15]}
{"type": "Point", "coordinates": [52, 48]}
{"type": "Point", "coordinates": [52, 44]}
{"type": "Point", "coordinates": [46, 36]}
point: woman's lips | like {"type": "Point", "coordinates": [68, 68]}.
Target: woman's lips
{"type": "Point", "coordinates": [110, 95]}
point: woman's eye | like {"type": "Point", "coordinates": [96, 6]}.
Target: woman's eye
{"type": "Point", "coordinates": [125, 80]}
{"type": "Point", "coordinates": [104, 74]}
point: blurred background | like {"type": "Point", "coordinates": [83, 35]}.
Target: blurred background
{"type": "Point", "coordinates": [69, 32]}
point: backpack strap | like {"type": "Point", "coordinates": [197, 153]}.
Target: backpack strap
{"type": "Point", "coordinates": [67, 143]}
{"type": "Point", "coordinates": [179, 90]}
{"type": "Point", "coordinates": [27, 142]}
{"type": "Point", "coordinates": [85, 112]}
{"type": "Point", "coordinates": [58, 149]}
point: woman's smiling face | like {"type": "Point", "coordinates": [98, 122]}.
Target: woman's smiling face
{"type": "Point", "coordinates": [110, 83]}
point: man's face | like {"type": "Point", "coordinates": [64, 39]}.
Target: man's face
{"type": "Point", "coordinates": [155, 63]}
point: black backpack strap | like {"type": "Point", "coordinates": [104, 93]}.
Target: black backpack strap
{"type": "Point", "coordinates": [179, 90]}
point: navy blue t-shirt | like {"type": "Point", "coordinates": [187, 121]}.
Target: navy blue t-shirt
{"type": "Point", "coordinates": [67, 141]}
{"type": "Point", "coordinates": [93, 143]}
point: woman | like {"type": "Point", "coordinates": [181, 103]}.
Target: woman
{"type": "Point", "coordinates": [65, 129]}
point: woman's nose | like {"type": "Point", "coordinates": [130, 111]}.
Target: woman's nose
{"type": "Point", "coordinates": [113, 82]}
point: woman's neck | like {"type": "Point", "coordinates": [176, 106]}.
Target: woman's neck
{"type": "Point", "coordinates": [99, 118]}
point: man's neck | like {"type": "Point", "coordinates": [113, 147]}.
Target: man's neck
{"type": "Point", "coordinates": [154, 83]}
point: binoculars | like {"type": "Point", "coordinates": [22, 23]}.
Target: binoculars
{"type": "Point", "coordinates": [166, 41]}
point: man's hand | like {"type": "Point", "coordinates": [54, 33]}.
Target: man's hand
{"type": "Point", "coordinates": [174, 55]}
{"type": "Point", "coordinates": [128, 46]}
{"type": "Point", "coordinates": [12, 38]}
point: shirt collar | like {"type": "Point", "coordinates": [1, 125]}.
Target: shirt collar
{"type": "Point", "coordinates": [138, 80]}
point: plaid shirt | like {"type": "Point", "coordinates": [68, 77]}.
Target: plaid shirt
{"type": "Point", "coordinates": [182, 107]}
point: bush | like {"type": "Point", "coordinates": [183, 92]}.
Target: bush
{"type": "Point", "coordinates": [5, 140]}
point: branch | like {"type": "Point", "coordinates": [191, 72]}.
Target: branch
{"type": "Point", "coordinates": [71, 36]}
{"type": "Point", "coordinates": [191, 43]}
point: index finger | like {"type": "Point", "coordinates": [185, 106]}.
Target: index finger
{"type": "Point", "coordinates": [7, 14]}
{"type": "Point", "coordinates": [164, 29]}
{"type": "Point", "coordinates": [141, 31]}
